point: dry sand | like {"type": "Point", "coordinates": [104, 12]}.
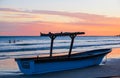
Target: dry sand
{"type": "Point", "coordinates": [8, 68]}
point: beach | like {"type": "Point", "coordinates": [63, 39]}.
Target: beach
{"type": "Point", "coordinates": [8, 68]}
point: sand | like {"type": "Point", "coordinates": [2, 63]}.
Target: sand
{"type": "Point", "coordinates": [8, 68]}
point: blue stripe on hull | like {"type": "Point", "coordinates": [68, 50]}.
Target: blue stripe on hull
{"type": "Point", "coordinates": [30, 67]}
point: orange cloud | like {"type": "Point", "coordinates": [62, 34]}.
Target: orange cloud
{"type": "Point", "coordinates": [34, 28]}
{"type": "Point", "coordinates": [24, 22]}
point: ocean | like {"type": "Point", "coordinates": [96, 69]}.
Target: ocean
{"type": "Point", "coordinates": [26, 46]}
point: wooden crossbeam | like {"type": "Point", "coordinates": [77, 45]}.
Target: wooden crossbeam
{"type": "Point", "coordinates": [62, 34]}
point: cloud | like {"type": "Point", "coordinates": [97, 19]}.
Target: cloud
{"type": "Point", "coordinates": [9, 9]}
{"type": "Point", "coordinates": [61, 13]}
{"type": "Point", "coordinates": [31, 22]}
{"type": "Point", "coordinates": [24, 28]}
{"type": "Point", "coordinates": [60, 17]}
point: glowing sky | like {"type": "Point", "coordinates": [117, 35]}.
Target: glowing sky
{"type": "Point", "coordinates": [29, 17]}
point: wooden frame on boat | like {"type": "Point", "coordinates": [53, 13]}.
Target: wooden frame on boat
{"type": "Point", "coordinates": [54, 35]}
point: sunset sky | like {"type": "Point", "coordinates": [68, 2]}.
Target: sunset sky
{"type": "Point", "coordinates": [30, 17]}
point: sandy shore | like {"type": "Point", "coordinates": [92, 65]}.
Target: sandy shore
{"type": "Point", "coordinates": [8, 68]}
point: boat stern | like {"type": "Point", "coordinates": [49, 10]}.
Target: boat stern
{"type": "Point", "coordinates": [26, 66]}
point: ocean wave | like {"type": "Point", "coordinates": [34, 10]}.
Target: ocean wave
{"type": "Point", "coordinates": [55, 47]}
{"type": "Point", "coordinates": [35, 45]}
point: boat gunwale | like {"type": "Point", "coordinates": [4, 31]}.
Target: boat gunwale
{"type": "Point", "coordinates": [77, 56]}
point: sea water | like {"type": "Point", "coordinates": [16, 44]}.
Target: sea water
{"type": "Point", "coordinates": [26, 46]}
{"type": "Point", "coordinates": [23, 46]}
{"type": "Point", "coordinates": [18, 46]}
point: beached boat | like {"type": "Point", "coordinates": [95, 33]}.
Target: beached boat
{"type": "Point", "coordinates": [73, 60]}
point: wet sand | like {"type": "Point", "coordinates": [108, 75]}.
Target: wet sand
{"type": "Point", "coordinates": [8, 68]}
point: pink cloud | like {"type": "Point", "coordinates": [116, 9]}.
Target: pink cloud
{"type": "Point", "coordinates": [62, 13]}
{"type": "Point", "coordinates": [9, 9]}
{"type": "Point", "coordinates": [89, 19]}
{"type": "Point", "coordinates": [24, 28]}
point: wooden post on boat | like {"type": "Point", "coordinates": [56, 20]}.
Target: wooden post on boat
{"type": "Point", "coordinates": [71, 45]}
{"type": "Point", "coordinates": [52, 40]}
